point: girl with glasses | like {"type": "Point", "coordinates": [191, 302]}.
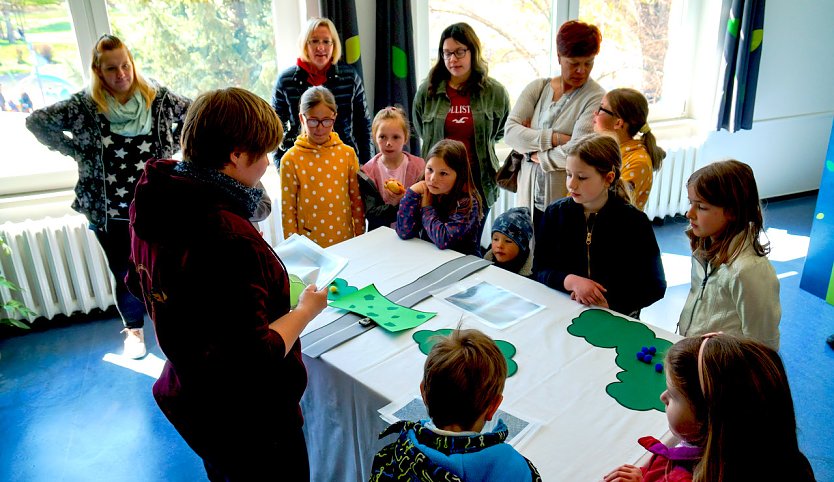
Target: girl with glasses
{"type": "Point", "coordinates": [318, 64]}
{"type": "Point", "coordinates": [624, 113]}
{"type": "Point", "coordinates": [460, 101]}
{"type": "Point", "coordinates": [320, 195]}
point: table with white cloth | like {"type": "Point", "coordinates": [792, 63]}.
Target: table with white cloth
{"type": "Point", "coordinates": [561, 379]}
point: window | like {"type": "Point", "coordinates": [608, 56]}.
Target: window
{"type": "Point", "coordinates": [39, 65]}
{"type": "Point", "coordinates": [193, 47]}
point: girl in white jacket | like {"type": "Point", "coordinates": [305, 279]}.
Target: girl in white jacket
{"type": "Point", "coordinates": [734, 286]}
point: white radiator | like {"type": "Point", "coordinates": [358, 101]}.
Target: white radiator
{"type": "Point", "coordinates": [58, 265]}
{"type": "Point", "coordinates": [668, 196]}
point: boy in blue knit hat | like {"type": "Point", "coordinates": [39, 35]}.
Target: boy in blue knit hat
{"type": "Point", "coordinates": [511, 235]}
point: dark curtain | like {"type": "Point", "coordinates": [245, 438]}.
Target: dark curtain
{"type": "Point", "coordinates": [395, 84]}
{"type": "Point", "coordinates": [343, 14]}
{"type": "Point", "coordinates": [740, 67]}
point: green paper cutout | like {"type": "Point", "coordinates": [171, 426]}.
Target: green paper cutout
{"type": "Point", "coordinates": [389, 315]}
{"type": "Point", "coordinates": [829, 165]}
{"type": "Point", "coordinates": [756, 39]}
{"type": "Point", "coordinates": [639, 386]}
{"type": "Point", "coordinates": [399, 62]}
{"type": "Point", "coordinates": [733, 26]}
{"type": "Point", "coordinates": [342, 289]}
{"type": "Point", "coordinates": [296, 287]}
{"type": "Point", "coordinates": [426, 339]}
{"type": "Point", "coordinates": [352, 50]}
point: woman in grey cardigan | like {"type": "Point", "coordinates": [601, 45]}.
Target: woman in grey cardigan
{"type": "Point", "coordinates": [551, 112]}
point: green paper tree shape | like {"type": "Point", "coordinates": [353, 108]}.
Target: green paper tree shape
{"type": "Point", "coordinates": [426, 339]}
{"type": "Point", "coordinates": [340, 288]}
{"type": "Point", "coordinates": [370, 303]}
{"type": "Point", "coordinates": [639, 386]}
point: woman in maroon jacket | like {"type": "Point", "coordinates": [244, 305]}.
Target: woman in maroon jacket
{"type": "Point", "coordinates": [219, 296]}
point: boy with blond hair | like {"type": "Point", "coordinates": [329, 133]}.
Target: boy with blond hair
{"type": "Point", "coordinates": [462, 387]}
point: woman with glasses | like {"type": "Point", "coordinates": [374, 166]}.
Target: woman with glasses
{"type": "Point", "coordinates": [551, 112]}
{"type": "Point", "coordinates": [320, 196]}
{"type": "Point", "coordinates": [117, 124]}
{"type": "Point", "coordinates": [460, 101]}
{"type": "Point", "coordinates": [318, 64]}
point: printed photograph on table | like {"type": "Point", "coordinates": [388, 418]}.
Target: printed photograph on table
{"type": "Point", "coordinates": [413, 409]}
{"type": "Point", "coordinates": [493, 305]}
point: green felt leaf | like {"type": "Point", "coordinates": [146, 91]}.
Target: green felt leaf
{"type": "Point", "coordinates": [426, 339]}
{"type": "Point", "coordinates": [639, 386]}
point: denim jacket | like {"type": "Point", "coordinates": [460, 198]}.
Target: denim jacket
{"type": "Point", "coordinates": [490, 108]}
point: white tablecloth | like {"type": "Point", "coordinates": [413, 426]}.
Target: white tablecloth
{"type": "Point", "coordinates": [560, 382]}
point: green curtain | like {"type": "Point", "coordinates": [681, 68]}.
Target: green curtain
{"type": "Point", "coordinates": [343, 14]}
{"type": "Point", "coordinates": [395, 83]}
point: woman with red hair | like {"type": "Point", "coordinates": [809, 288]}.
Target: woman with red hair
{"type": "Point", "coordinates": [550, 112]}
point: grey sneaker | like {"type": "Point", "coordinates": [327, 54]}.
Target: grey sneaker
{"type": "Point", "coordinates": [134, 343]}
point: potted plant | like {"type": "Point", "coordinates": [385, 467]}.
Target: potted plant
{"type": "Point", "coordinates": [12, 310]}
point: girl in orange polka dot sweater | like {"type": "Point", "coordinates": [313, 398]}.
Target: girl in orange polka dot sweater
{"type": "Point", "coordinates": [320, 195]}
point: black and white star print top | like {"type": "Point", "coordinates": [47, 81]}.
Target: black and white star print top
{"type": "Point", "coordinates": [124, 160]}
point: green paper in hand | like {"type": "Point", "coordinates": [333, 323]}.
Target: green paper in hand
{"type": "Point", "coordinates": [387, 314]}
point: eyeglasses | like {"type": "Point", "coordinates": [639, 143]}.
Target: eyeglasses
{"type": "Point", "coordinates": [459, 53]}
{"type": "Point", "coordinates": [316, 42]}
{"type": "Point", "coordinates": [603, 109]}
{"type": "Point", "coordinates": [313, 123]}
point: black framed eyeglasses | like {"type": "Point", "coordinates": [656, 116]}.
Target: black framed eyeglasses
{"type": "Point", "coordinates": [603, 109]}
{"type": "Point", "coordinates": [313, 123]}
{"type": "Point", "coordinates": [459, 53]}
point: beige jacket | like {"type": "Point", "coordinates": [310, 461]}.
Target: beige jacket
{"type": "Point", "coordinates": [741, 299]}
{"type": "Point", "coordinates": [576, 116]}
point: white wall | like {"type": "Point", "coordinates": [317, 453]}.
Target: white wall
{"type": "Point", "coordinates": [794, 101]}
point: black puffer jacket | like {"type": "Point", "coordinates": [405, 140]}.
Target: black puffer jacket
{"type": "Point", "coordinates": [353, 120]}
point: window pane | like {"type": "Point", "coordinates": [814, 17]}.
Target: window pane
{"type": "Point", "coordinates": [192, 46]}
{"type": "Point", "coordinates": [39, 65]}
{"type": "Point", "coordinates": [635, 48]}
{"type": "Point", "coordinates": [515, 36]}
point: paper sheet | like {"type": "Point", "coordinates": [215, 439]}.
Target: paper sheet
{"type": "Point", "coordinates": [309, 262]}
{"type": "Point", "coordinates": [413, 409]}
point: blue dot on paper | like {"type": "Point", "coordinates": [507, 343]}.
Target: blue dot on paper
{"type": "Point", "coordinates": [658, 368]}
{"type": "Point", "coordinates": [641, 355]}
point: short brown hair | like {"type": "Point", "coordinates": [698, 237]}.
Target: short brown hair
{"type": "Point", "coordinates": [463, 375]}
{"type": "Point", "coordinates": [222, 121]}
{"type": "Point", "coordinates": [578, 39]}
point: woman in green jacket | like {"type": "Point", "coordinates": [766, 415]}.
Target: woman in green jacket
{"type": "Point", "coordinates": [460, 101]}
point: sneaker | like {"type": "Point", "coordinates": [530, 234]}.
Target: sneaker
{"type": "Point", "coordinates": [134, 343]}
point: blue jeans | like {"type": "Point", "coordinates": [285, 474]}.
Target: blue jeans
{"type": "Point", "coordinates": [116, 245]}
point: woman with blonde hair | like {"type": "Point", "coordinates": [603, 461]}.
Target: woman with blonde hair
{"type": "Point", "coordinates": [117, 124]}
{"type": "Point", "coordinates": [318, 64]}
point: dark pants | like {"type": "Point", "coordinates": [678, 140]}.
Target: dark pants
{"type": "Point", "coordinates": [286, 460]}
{"type": "Point", "coordinates": [116, 245]}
